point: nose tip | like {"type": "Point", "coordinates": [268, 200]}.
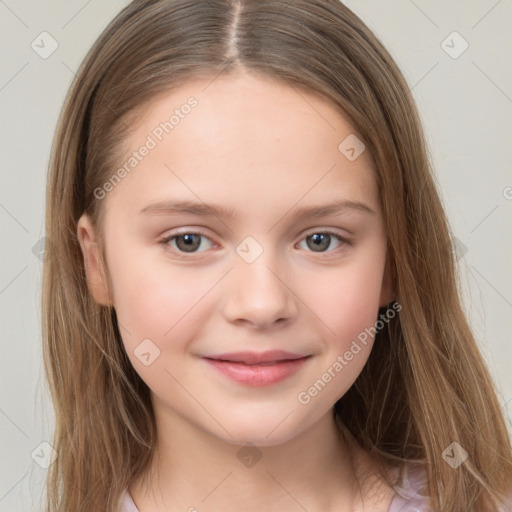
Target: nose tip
{"type": "Point", "coordinates": [258, 294]}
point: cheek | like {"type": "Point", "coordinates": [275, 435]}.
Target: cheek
{"type": "Point", "coordinates": [347, 299]}
{"type": "Point", "coordinates": [153, 302]}
{"type": "Point", "coordinates": [347, 305]}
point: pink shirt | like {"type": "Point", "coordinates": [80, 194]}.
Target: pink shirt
{"type": "Point", "coordinates": [408, 497]}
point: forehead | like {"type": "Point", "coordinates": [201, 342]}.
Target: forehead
{"type": "Point", "coordinates": [256, 103]}
{"type": "Point", "coordinates": [247, 137]}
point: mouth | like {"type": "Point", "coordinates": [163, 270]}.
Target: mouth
{"type": "Point", "coordinates": [250, 358]}
{"type": "Point", "coordinates": [257, 369]}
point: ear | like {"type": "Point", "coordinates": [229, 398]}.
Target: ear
{"type": "Point", "coordinates": [93, 262]}
{"type": "Point", "coordinates": [387, 293]}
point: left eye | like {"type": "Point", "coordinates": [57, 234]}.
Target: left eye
{"type": "Point", "coordinates": [322, 240]}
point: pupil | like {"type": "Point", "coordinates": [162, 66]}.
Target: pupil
{"type": "Point", "coordinates": [320, 241]}
{"type": "Point", "coordinates": [188, 242]}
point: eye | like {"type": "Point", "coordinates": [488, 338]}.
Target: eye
{"type": "Point", "coordinates": [321, 240]}
{"type": "Point", "coordinates": [187, 242]}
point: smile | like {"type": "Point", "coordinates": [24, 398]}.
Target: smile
{"type": "Point", "coordinates": [258, 374]}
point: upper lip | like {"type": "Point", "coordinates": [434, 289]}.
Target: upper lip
{"type": "Point", "coordinates": [248, 357]}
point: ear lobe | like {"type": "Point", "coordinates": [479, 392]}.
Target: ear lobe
{"type": "Point", "coordinates": [387, 294]}
{"type": "Point", "coordinates": [93, 263]}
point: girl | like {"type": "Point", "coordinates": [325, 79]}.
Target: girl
{"type": "Point", "coordinates": [252, 303]}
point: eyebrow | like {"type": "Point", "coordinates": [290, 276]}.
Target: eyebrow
{"type": "Point", "coordinates": [168, 207]}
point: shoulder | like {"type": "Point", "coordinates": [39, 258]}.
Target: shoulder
{"type": "Point", "coordinates": [411, 491]}
{"type": "Point", "coordinates": [403, 489]}
{"type": "Point", "coordinates": [126, 504]}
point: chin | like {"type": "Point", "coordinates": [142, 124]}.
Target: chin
{"type": "Point", "coordinates": [261, 431]}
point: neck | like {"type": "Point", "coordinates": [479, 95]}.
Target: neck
{"type": "Point", "coordinates": [196, 471]}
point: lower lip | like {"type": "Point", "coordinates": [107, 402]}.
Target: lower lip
{"type": "Point", "coordinates": [258, 375]}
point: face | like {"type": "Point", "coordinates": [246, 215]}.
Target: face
{"type": "Point", "coordinates": [206, 293]}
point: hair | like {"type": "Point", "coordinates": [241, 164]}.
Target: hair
{"type": "Point", "coordinates": [425, 384]}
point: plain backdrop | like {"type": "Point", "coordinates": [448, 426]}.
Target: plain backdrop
{"type": "Point", "coordinates": [465, 100]}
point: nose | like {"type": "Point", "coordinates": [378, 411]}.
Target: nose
{"type": "Point", "coordinates": [258, 293]}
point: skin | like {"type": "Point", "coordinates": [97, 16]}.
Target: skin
{"type": "Point", "coordinates": [263, 149]}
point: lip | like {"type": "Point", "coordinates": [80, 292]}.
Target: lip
{"type": "Point", "coordinates": [250, 357]}
{"type": "Point", "coordinates": [257, 368]}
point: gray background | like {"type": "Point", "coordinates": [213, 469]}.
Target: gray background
{"type": "Point", "coordinates": [466, 106]}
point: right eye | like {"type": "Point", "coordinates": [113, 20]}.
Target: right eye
{"type": "Point", "coordinates": [186, 242]}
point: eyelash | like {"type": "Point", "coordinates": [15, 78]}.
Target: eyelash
{"type": "Point", "coordinates": [165, 241]}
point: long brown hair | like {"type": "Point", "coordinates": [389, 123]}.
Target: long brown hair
{"type": "Point", "coordinates": [425, 384]}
